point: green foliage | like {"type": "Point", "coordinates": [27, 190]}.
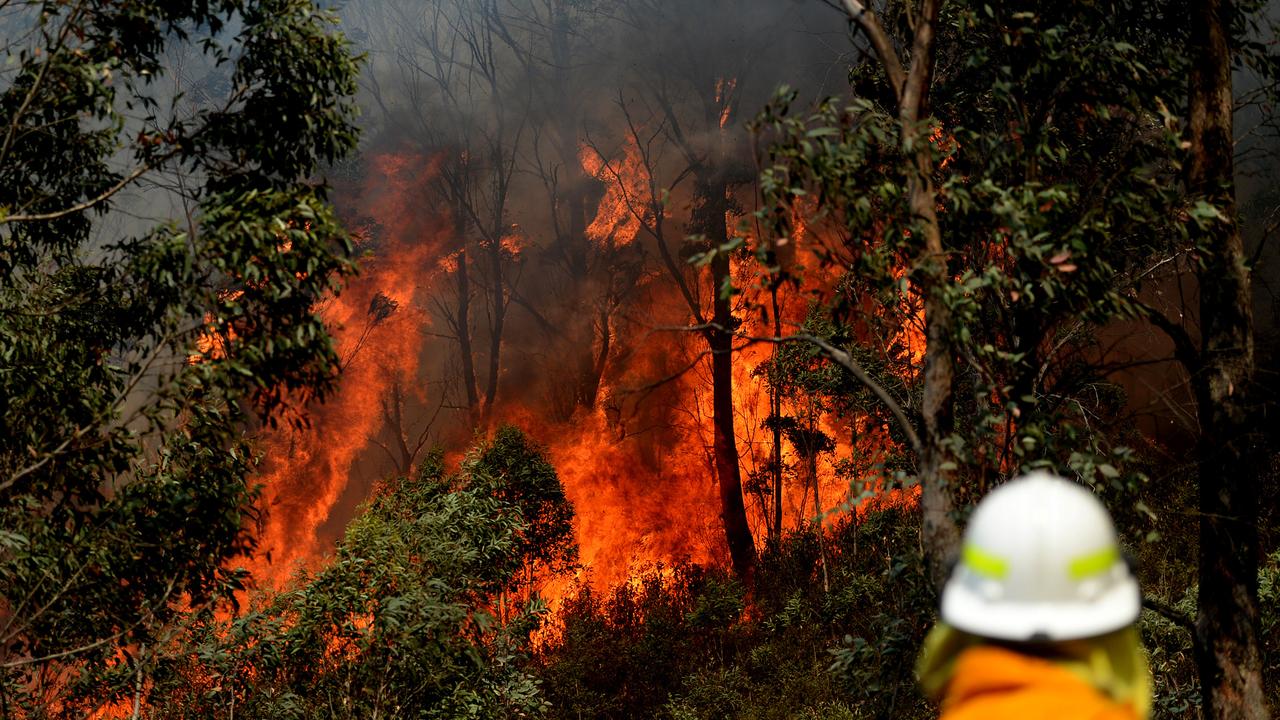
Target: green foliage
{"type": "Point", "coordinates": [1170, 646]}
{"type": "Point", "coordinates": [408, 620]}
{"type": "Point", "coordinates": [515, 470]}
{"type": "Point", "coordinates": [1053, 151]}
{"type": "Point", "coordinates": [1172, 658]}
{"type": "Point", "coordinates": [1056, 156]}
{"type": "Point", "coordinates": [392, 612]}
{"type": "Point", "coordinates": [1269, 626]}
{"type": "Point", "coordinates": [685, 643]}
{"type": "Point", "coordinates": [132, 361]}
{"type": "Point", "coordinates": [811, 384]}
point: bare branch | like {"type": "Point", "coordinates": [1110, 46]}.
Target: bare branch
{"type": "Point", "coordinates": [846, 361]}
{"type": "Point", "coordinates": [843, 359]}
{"type": "Point", "coordinates": [1171, 614]}
{"type": "Point", "coordinates": [1184, 348]}
{"type": "Point", "coordinates": [87, 204]}
{"type": "Point", "coordinates": [870, 24]}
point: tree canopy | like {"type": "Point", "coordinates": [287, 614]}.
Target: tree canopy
{"type": "Point", "coordinates": [745, 304]}
{"type": "Point", "coordinates": [163, 242]}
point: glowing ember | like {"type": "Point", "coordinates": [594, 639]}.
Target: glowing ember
{"type": "Point", "coordinates": [724, 98]}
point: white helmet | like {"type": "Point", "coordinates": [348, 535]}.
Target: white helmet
{"type": "Point", "coordinates": [1040, 561]}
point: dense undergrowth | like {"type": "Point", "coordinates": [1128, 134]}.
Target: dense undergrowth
{"type": "Point", "coordinates": [686, 642]}
{"type": "Point", "coordinates": [689, 643]}
{"type": "Point", "coordinates": [427, 610]}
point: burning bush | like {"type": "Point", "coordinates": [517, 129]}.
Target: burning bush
{"type": "Point", "coordinates": [412, 616]}
{"type": "Point", "coordinates": [688, 642]}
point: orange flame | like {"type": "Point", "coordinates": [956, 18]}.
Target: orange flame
{"type": "Point", "coordinates": [306, 470]}
{"type": "Point", "coordinates": [724, 98]}
{"type": "Point", "coordinates": [618, 217]}
{"type": "Point", "coordinates": [638, 468]}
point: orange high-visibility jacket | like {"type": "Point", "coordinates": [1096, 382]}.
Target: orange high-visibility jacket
{"type": "Point", "coordinates": [994, 683]}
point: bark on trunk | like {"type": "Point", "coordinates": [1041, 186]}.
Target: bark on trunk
{"type": "Point", "coordinates": [742, 549]}
{"type": "Point", "coordinates": [463, 279]}
{"type": "Point", "coordinates": [939, 534]}
{"type": "Point", "coordinates": [1230, 657]}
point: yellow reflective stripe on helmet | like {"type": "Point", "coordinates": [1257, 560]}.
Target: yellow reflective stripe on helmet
{"type": "Point", "coordinates": [1093, 563]}
{"type": "Point", "coordinates": [984, 563]}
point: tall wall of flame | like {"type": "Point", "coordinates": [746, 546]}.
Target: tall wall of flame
{"type": "Point", "coordinates": [637, 464]}
{"type": "Point", "coordinates": [306, 471]}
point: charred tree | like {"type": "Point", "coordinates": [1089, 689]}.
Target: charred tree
{"type": "Point", "coordinates": [1227, 623]}
{"type": "Point", "coordinates": [497, 319]}
{"type": "Point", "coordinates": [468, 110]}
{"type": "Point", "coordinates": [587, 370]}
{"type": "Point", "coordinates": [461, 319]}
{"type": "Point", "coordinates": [545, 47]}
{"type": "Point", "coordinates": [406, 441]}
{"type": "Point", "coordinates": [709, 220]}
{"type": "Point", "coordinates": [711, 192]}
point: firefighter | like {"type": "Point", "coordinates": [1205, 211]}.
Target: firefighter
{"type": "Point", "coordinates": [1037, 617]}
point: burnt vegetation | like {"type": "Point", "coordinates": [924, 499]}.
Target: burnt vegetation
{"type": "Point", "coordinates": [617, 358]}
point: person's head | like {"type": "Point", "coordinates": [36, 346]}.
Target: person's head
{"type": "Point", "coordinates": [1041, 574]}
{"type": "Point", "coordinates": [1040, 562]}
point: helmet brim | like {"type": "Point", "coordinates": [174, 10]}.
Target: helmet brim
{"type": "Point", "coordinates": [964, 609]}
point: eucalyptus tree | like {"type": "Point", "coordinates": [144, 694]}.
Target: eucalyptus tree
{"type": "Point", "coordinates": [1222, 369]}
{"type": "Point", "coordinates": [412, 617]}
{"type": "Point", "coordinates": [163, 241]}
{"type": "Point", "coordinates": [1028, 170]}
{"type": "Point", "coordinates": [1000, 179]}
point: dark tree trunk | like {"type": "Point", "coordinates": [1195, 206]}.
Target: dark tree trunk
{"type": "Point", "coordinates": [775, 410]}
{"type": "Point", "coordinates": [605, 333]}
{"type": "Point", "coordinates": [588, 367]}
{"type": "Point", "coordinates": [463, 279]}
{"type": "Point", "coordinates": [583, 342]}
{"type": "Point", "coordinates": [1230, 657]}
{"type": "Point", "coordinates": [939, 533]}
{"type": "Point", "coordinates": [582, 330]}
{"type": "Point", "coordinates": [394, 415]}
{"type": "Point", "coordinates": [497, 314]}
{"type": "Point", "coordinates": [710, 215]}
{"type": "Point", "coordinates": [737, 532]}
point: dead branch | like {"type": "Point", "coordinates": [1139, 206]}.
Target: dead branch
{"type": "Point", "coordinates": [880, 42]}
